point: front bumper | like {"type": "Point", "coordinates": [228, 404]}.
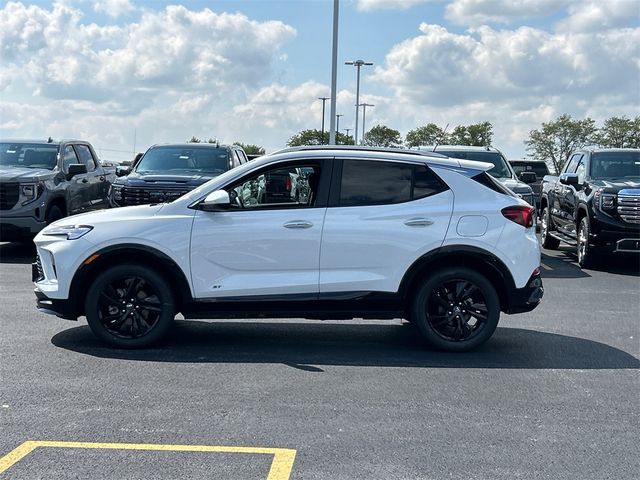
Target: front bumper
{"type": "Point", "coordinates": [525, 299]}
{"type": "Point", "coordinates": [18, 228]}
{"type": "Point", "coordinates": [613, 236]}
{"type": "Point", "coordinates": [60, 308]}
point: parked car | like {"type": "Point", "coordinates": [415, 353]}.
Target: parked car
{"type": "Point", "coordinates": [379, 236]}
{"type": "Point", "coordinates": [531, 172]}
{"type": "Point", "coordinates": [166, 172]}
{"type": "Point", "coordinates": [594, 204]}
{"type": "Point", "coordinates": [43, 181]}
{"type": "Point", "coordinates": [501, 170]}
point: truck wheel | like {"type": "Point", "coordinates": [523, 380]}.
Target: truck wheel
{"type": "Point", "coordinates": [456, 309]}
{"type": "Point", "coordinates": [54, 214]}
{"type": "Point", "coordinates": [129, 306]}
{"type": "Point", "coordinates": [546, 240]}
{"type": "Point", "coordinates": [586, 255]}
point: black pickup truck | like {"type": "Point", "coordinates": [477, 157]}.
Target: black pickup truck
{"type": "Point", "coordinates": [166, 172]}
{"type": "Point", "coordinates": [594, 204]}
{"type": "Point", "coordinates": [43, 181]}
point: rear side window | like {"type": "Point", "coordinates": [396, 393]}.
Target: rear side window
{"type": "Point", "coordinates": [366, 182]}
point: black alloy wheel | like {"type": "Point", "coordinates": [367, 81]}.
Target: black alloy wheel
{"type": "Point", "coordinates": [456, 309]}
{"type": "Point", "coordinates": [129, 306]}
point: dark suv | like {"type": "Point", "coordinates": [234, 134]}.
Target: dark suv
{"type": "Point", "coordinates": [166, 172]}
{"type": "Point", "coordinates": [531, 172]}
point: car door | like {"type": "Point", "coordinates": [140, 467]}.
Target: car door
{"type": "Point", "coordinates": [566, 197]}
{"type": "Point", "coordinates": [263, 244]}
{"type": "Point", "coordinates": [382, 216]}
{"type": "Point", "coordinates": [95, 179]}
{"type": "Point", "coordinates": [76, 191]}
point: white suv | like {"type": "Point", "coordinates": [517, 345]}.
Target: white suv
{"type": "Point", "coordinates": [377, 234]}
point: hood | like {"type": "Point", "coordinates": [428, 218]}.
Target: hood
{"type": "Point", "coordinates": [151, 179]}
{"type": "Point", "coordinates": [616, 184]}
{"type": "Point", "coordinates": [10, 173]}
{"type": "Point", "coordinates": [111, 215]}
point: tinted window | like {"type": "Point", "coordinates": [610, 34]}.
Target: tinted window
{"type": "Point", "coordinates": [426, 183]}
{"type": "Point", "coordinates": [374, 183]}
{"type": "Point", "coordinates": [69, 158]}
{"type": "Point", "coordinates": [540, 169]}
{"type": "Point", "coordinates": [28, 155]}
{"type": "Point", "coordinates": [614, 165]}
{"type": "Point", "coordinates": [86, 157]}
{"type": "Point", "coordinates": [211, 161]}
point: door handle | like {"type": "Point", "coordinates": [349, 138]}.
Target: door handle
{"type": "Point", "coordinates": [298, 224]}
{"type": "Point", "coordinates": [102, 179]}
{"type": "Point", "coordinates": [84, 180]}
{"type": "Point", "coordinates": [418, 222]}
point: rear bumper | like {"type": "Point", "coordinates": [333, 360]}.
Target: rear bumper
{"type": "Point", "coordinates": [59, 308]}
{"type": "Point", "coordinates": [525, 299]}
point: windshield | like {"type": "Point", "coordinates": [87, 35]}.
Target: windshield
{"type": "Point", "coordinates": [540, 169]}
{"type": "Point", "coordinates": [613, 165]}
{"type": "Point", "coordinates": [211, 161]}
{"type": "Point", "coordinates": [29, 155]}
{"type": "Point", "coordinates": [500, 168]}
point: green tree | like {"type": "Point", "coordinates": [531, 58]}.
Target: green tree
{"type": "Point", "coordinates": [476, 134]}
{"type": "Point", "coordinates": [197, 140]}
{"type": "Point", "coordinates": [556, 139]}
{"type": "Point", "coordinates": [429, 134]}
{"type": "Point", "coordinates": [315, 137]}
{"type": "Point", "coordinates": [383, 136]}
{"type": "Point", "coordinates": [250, 149]}
{"type": "Point", "coordinates": [619, 132]}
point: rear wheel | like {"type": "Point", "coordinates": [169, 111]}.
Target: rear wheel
{"type": "Point", "coordinates": [547, 240]}
{"type": "Point", "coordinates": [456, 309]}
{"type": "Point", "coordinates": [130, 306]}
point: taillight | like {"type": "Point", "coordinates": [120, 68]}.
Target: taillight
{"type": "Point", "coordinates": [520, 214]}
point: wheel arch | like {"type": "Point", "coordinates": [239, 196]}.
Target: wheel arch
{"type": "Point", "coordinates": [150, 257]}
{"type": "Point", "coordinates": [459, 256]}
{"type": "Point", "coordinates": [58, 201]}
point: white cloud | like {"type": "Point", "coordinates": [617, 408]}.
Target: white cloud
{"type": "Point", "coordinates": [482, 12]}
{"type": "Point", "coordinates": [113, 8]}
{"type": "Point", "coordinates": [366, 5]}
{"type": "Point", "coordinates": [591, 15]}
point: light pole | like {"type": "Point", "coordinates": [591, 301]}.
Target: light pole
{"type": "Point", "coordinates": [348, 130]}
{"type": "Point", "coordinates": [338, 115]}
{"type": "Point", "coordinates": [358, 64]}
{"type": "Point", "coordinates": [364, 113]}
{"type": "Point", "coordinates": [324, 99]}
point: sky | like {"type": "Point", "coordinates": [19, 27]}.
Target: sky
{"type": "Point", "coordinates": [126, 74]}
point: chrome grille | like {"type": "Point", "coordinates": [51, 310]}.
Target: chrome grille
{"type": "Point", "coordinates": [9, 194]}
{"type": "Point", "coordinates": [39, 267]}
{"type": "Point", "coordinates": [142, 196]}
{"type": "Point", "coordinates": [629, 206]}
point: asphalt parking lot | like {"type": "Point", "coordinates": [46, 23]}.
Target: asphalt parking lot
{"type": "Point", "coordinates": [554, 394]}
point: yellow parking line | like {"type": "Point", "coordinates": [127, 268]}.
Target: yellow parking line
{"type": "Point", "coordinates": [281, 465]}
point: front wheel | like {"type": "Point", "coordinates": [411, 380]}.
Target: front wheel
{"type": "Point", "coordinates": [586, 256]}
{"type": "Point", "coordinates": [129, 306]}
{"type": "Point", "coordinates": [456, 309]}
{"type": "Point", "coordinates": [547, 240]}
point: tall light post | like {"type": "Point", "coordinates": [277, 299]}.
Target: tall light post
{"type": "Point", "coordinates": [364, 113]}
{"type": "Point", "coordinates": [348, 130]}
{"type": "Point", "coordinates": [338, 115]}
{"type": "Point", "coordinates": [324, 99]}
{"type": "Point", "coordinates": [357, 64]}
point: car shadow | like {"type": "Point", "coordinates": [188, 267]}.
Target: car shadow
{"type": "Point", "coordinates": [309, 346]}
{"type": "Point", "coordinates": [563, 263]}
{"type": "Point", "coordinates": [17, 252]}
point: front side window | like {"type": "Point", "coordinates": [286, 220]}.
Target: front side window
{"type": "Point", "coordinates": [28, 155]}
{"type": "Point", "coordinates": [366, 182]}
{"type": "Point", "coordinates": [572, 164]}
{"type": "Point", "coordinates": [86, 157]}
{"type": "Point", "coordinates": [280, 187]}
{"type": "Point", "coordinates": [209, 161]}
{"type": "Point", "coordinates": [70, 158]}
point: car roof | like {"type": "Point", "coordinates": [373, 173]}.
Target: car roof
{"type": "Point", "coordinates": [601, 150]}
{"type": "Point", "coordinates": [192, 145]}
{"type": "Point", "coordinates": [519, 160]}
{"type": "Point", "coordinates": [376, 154]}
{"type": "Point", "coordinates": [462, 148]}
{"type": "Point", "coordinates": [39, 141]}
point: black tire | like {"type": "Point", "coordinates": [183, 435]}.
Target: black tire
{"type": "Point", "coordinates": [587, 257]}
{"type": "Point", "coordinates": [130, 306]}
{"type": "Point", "coordinates": [547, 241]}
{"type": "Point", "coordinates": [54, 213]}
{"type": "Point", "coordinates": [456, 309]}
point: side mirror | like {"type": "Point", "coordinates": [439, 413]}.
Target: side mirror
{"type": "Point", "coordinates": [216, 201]}
{"type": "Point", "coordinates": [122, 171]}
{"type": "Point", "coordinates": [76, 169]}
{"type": "Point", "coordinates": [528, 177]}
{"type": "Point", "coordinates": [569, 179]}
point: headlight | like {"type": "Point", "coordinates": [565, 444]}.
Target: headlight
{"type": "Point", "coordinates": [30, 191]}
{"type": "Point", "coordinates": [116, 191]}
{"type": "Point", "coordinates": [72, 232]}
{"type": "Point", "coordinates": [605, 202]}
